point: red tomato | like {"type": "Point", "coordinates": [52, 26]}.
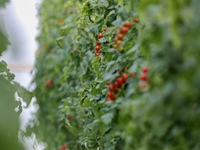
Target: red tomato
{"type": "Point", "coordinates": [98, 43]}
{"type": "Point", "coordinates": [143, 86]}
{"type": "Point", "coordinates": [143, 77]}
{"type": "Point", "coordinates": [109, 94]}
{"type": "Point", "coordinates": [111, 88]}
{"type": "Point", "coordinates": [104, 29]}
{"type": "Point", "coordinates": [120, 80]}
{"type": "Point", "coordinates": [124, 77]}
{"type": "Point", "coordinates": [120, 36]}
{"type": "Point", "coordinates": [100, 35]}
{"type": "Point", "coordinates": [136, 20]}
{"type": "Point", "coordinates": [65, 147]}
{"type": "Point", "coordinates": [132, 74]}
{"type": "Point", "coordinates": [145, 69]}
{"type": "Point", "coordinates": [98, 54]}
{"type": "Point", "coordinates": [128, 24]}
{"type": "Point", "coordinates": [48, 83]}
{"type": "Point", "coordinates": [108, 83]}
{"type": "Point", "coordinates": [124, 30]}
{"type": "Point", "coordinates": [112, 98]}
{"type": "Point", "coordinates": [117, 84]}
{"type": "Point", "coordinates": [97, 48]}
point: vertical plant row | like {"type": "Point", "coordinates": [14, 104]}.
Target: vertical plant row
{"type": "Point", "coordinates": [118, 75]}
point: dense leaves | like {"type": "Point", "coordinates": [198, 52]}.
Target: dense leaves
{"type": "Point", "coordinates": [142, 89]}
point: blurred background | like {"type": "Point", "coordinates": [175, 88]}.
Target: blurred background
{"type": "Point", "coordinates": [19, 20]}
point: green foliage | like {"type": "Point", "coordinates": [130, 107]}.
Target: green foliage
{"type": "Point", "coordinates": [9, 124]}
{"type": "Point", "coordinates": [11, 94]}
{"type": "Point", "coordinates": [74, 109]}
{"type": "Point", "coordinates": [169, 117]}
{"type": "Point", "coordinates": [4, 42]}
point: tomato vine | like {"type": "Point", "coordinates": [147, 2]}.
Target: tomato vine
{"type": "Point", "coordinates": [90, 65]}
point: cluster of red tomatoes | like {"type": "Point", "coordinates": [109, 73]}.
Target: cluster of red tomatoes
{"type": "Point", "coordinates": [119, 35]}
{"type": "Point", "coordinates": [144, 78]}
{"type": "Point", "coordinates": [121, 80]}
{"type": "Point", "coordinates": [97, 48]}
{"type": "Point", "coordinates": [98, 44]}
{"type": "Point", "coordinates": [121, 32]}
{"type": "Point", "coordinates": [117, 84]}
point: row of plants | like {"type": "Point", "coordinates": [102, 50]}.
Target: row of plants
{"type": "Point", "coordinates": [118, 74]}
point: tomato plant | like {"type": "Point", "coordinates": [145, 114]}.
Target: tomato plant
{"type": "Point", "coordinates": [141, 108]}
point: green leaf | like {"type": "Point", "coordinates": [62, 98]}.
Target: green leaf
{"type": "Point", "coordinates": [95, 65]}
{"type": "Point", "coordinates": [4, 71]}
{"type": "Point", "coordinates": [87, 102]}
{"type": "Point", "coordinates": [3, 42]}
{"type": "Point", "coordinates": [122, 13]}
{"type": "Point", "coordinates": [107, 118]}
{"type": "Point", "coordinates": [94, 28]}
{"type": "Point", "coordinates": [103, 3]}
{"type": "Point", "coordinates": [64, 30]}
{"type": "Point", "coordinates": [117, 22]}
{"type": "Point", "coordinates": [60, 42]}
{"type": "Point", "coordinates": [24, 94]}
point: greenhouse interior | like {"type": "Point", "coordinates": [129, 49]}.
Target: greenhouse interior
{"type": "Point", "coordinates": [99, 75]}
